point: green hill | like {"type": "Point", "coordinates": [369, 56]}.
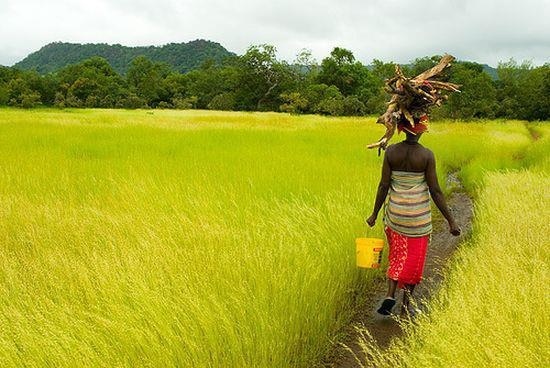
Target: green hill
{"type": "Point", "coordinates": [491, 71]}
{"type": "Point", "coordinates": [183, 57]}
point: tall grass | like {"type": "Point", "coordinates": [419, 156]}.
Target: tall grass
{"type": "Point", "coordinates": [136, 238]}
{"type": "Point", "coordinates": [474, 149]}
{"type": "Point", "coordinates": [492, 311]}
{"type": "Point", "coordinates": [537, 155]}
{"type": "Point", "coordinates": [195, 239]}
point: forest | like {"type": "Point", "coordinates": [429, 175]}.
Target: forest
{"type": "Point", "coordinates": [339, 85]}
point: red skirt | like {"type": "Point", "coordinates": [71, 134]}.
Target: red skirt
{"type": "Point", "coordinates": [407, 256]}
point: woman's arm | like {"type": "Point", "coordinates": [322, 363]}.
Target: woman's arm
{"type": "Point", "coordinates": [437, 195]}
{"type": "Point", "coordinates": [382, 192]}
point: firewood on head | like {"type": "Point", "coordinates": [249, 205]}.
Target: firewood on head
{"type": "Point", "coordinates": [412, 98]}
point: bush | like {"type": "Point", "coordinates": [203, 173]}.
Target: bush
{"type": "Point", "coordinates": [353, 107]}
{"type": "Point", "coordinates": [223, 101]}
{"type": "Point", "coordinates": [294, 102]}
{"type": "Point", "coordinates": [30, 99]}
{"type": "Point", "coordinates": [59, 100]}
{"type": "Point", "coordinates": [331, 106]}
{"type": "Point", "coordinates": [4, 95]}
{"type": "Point", "coordinates": [108, 101]}
{"type": "Point", "coordinates": [185, 103]}
{"type": "Point", "coordinates": [72, 101]}
{"type": "Point", "coordinates": [165, 105]}
{"type": "Point", "coordinates": [92, 101]}
{"type": "Point", "coordinates": [133, 101]}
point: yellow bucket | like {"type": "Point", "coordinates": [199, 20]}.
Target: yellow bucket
{"type": "Point", "coordinates": [369, 252]}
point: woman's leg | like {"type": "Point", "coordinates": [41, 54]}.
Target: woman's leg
{"type": "Point", "coordinates": [389, 301]}
{"type": "Point", "coordinates": [407, 296]}
{"type": "Point", "coordinates": [396, 249]}
{"type": "Point", "coordinates": [392, 286]}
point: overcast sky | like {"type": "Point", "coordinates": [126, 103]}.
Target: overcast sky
{"type": "Point", "coordinates": [487, 31]}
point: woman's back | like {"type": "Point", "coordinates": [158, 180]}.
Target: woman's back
{"type": "Point", "coordinates": [408, 156]}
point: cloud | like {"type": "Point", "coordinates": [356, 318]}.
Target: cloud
{"type": "Point", "coordinates": [399, 30]}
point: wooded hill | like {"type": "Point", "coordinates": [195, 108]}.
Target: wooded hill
{"type": "Point", "coordinates": [181, 57]}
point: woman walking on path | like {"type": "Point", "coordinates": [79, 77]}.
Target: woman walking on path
{"type": "Point", "coordinates": [409, 175]}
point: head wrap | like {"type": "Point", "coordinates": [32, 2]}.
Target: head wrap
{"type": "Point", "coordinates": [420, 125]}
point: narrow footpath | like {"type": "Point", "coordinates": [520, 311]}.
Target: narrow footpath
{"type": "Point", "coordinates": [384, 329]}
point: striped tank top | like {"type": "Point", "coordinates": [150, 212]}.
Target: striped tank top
{"type": "Point", "coordinates": [408, 207]}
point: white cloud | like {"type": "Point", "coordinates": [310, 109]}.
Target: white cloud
{"type": "Point", "coordinates": [400, 30]}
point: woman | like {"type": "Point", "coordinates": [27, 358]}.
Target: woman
{"type": "Point", "coordinates": [409, 174]}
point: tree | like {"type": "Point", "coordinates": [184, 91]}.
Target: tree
{"type": "Point", "coordinates": [91, 83]}
{"type": "Point", "coordinates": [212, 81]}
{"type": "Point", "coordinates": [341, 70]}
{"type": "Point", "coordinates": [419, 65]}
{"type": "Point", "coordinates": [6, 74]}
{"type": "Point", "coordinates": [376, 96]}
{"type": "Point", "coordinates": [223, 101]}
{"type": "Point", "coordinates": [306, 60]}
{"type": "Point", "coordinates": [326, 100]}
{"type": "Point", "coordinates": [262, 79]}
{"type": "Point", "coordinates": [307, 69]}
{"type": "Point", "coordinates": [478, 96]}
{"type": "Point", "coordinates": [294, 102]}
{"type": "Point", "coordinates": [146, 80]}
{"type": "Point", "coordinates": [352, 106]}
{"type": "Point", "coordinates": [20, 94]}
{"type": "Point", "coordinates": [523, 91]}
{"type": "Point", "coordinates": [176, 85]}
{"type": "Point", "coordinates": [537, 96]}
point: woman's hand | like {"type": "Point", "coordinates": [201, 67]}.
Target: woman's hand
{"type": "Point", "coordinates": [454, 228]}
{"type": "Point", "coordinates": [371, 220]}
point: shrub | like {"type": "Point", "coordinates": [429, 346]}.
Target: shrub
{"type": "Point", "coordinates": [294, 102]}
{"type": "Point", "coordinates": [223, 101]}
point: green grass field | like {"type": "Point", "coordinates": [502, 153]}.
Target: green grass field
{"type": "Point", "coordinates": [206, 239]}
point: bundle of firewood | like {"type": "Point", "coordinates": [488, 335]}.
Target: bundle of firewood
{"type": "Point", "coordinates": [411, 98]}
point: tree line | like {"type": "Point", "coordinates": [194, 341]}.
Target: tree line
{"type": "Point", "coordinates": [257, 81]}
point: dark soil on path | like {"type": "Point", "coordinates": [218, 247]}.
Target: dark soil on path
{"type": "Point", "coordinates": [384, 329]}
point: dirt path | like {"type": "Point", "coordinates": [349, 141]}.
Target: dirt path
{"type": "Point", "coordinates": [441, 247]}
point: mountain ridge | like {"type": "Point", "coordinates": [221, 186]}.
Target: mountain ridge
{"type": "Point", "coordinates": [183, 57]}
